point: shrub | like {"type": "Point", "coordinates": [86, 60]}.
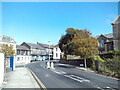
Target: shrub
{"type": "Point", "coordinates": [98, 58]}
{"type": "Point", "coordinates": [113, 52]}
{"type": "Point", "coordinates": [114, 65]}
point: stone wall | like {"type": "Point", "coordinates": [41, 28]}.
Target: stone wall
{"type": "Point", "coordinates": [77, 62]}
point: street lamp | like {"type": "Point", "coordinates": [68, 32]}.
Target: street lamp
{"type": "Point", "coordinates": [48, 63]}
{"type": "Point", "coordinates": [49, 50]}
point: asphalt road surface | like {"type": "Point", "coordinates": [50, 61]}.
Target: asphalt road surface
{"type": "Point", "coordinates": [70, 77]}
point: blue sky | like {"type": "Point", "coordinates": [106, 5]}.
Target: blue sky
{"type": "Point", "coordinates": [42, 21]}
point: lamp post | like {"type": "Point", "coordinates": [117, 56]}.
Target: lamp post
{"type": "Point", "coordinates": [49, 50]}
{"type": "Point", "coordinates": [48, 63]}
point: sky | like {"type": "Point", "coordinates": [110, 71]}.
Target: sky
{"type": "Point", "coordinates": [42, 21]}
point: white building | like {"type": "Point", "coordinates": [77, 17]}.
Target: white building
{"type": "Point", "coordinates": [56, 52]}
{"type": "Point", "coordinates": [23, 55]}
{"type": "Point", "coordinates": [7, 40]}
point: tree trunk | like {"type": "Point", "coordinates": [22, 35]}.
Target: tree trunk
{"type": "Point", "coordinates": [85, 63]}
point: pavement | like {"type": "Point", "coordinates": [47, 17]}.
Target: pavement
{"type": "Point", "coordinates": [19, 78]}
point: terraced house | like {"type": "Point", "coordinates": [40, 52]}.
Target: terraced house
{"type": "Point", "coordinates": [37, 52]}
{"type": "Point", "coordinates": [23, 55]}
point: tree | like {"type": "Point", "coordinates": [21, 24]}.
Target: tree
{"type": "Point", "coordinates": [84, 45]}
{"type": "Point", "coordinates": [8, 51]}
{"type": "Point", "coordinates": [78, 42]}
{"type": "Point", "coordinates": [65, 43]}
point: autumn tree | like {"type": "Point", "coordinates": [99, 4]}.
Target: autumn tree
{"type": "Point", "coordinates": [7, 51]}
{"type": "Point", "coordinates": [65, 41]}
{"type": "Point", "coordinates": [78, 42]}
{"type": "Point", "coordinates": [84, 45]}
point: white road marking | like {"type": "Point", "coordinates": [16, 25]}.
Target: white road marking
{"type": "Point", "coordinates": [81, 78]}
{"type": "Point", "coordinates": [42, 66]}
{"type": "Point", "coordinates": [77, 78]}
{"type": "Point", "coordinates": [58, 71]}
{"type": "Point", "coordinates": [74, 77]}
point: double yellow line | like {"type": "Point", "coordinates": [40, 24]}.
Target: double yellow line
{"type": "Point", "coordinates": [38, 80]}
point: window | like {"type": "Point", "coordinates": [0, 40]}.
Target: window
{"type": "Point", "coordinates": [18, 59]}
{"type": "Point", "coordinates": [22, 58]}
{"type": "Point", "coordinates": [56, 49]}
{"type": "Point", "coordinates": [26, 53]}
{"type": "Point", "coordinates": [56, 55]}
{"type": "Point", "coordinates": [110, 47]}
{"type": "Point", "coordinates": [18, 52]}
{"type": "Point", "coordinates": [102, 43]}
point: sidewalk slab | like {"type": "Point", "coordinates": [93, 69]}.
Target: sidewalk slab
{"type": "Point", "coordinates": [20, 78]}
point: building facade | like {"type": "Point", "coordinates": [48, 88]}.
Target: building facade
{"type": "Point", "coordinates": [37, 52]}
{"type": "Point", "coordinates": [56, 52]}
{"type": "Point", "coordinates": [116, 33]}
{"type": "Point", "coordinates": [22, 55]}
{"type": "Point", "coordinates": [48, 50]}
{"type": "Point", "coordinates": [8, 40]}
{"type": "Point", "coordinates": [105, 43]}
{"type": "Point", "coordinates": [26, 52]}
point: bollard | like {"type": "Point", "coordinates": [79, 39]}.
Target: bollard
{"type": "Point", "coordinates": [48, 65]}
{"type": "Point", "coordinates": [52, 65]}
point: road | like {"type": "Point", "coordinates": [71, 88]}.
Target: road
{"type": "Point", "coordinates": [70, 77]}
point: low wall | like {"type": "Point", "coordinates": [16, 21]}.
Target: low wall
{"type": "Point", "coordinates": [77, 62]}
{"type": "Point", "coordinates": [1, 67]}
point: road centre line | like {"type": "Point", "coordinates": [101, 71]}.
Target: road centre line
{"type": "Point", "coordinates": [74, 77]}
{"type": "Point", "coordinates": [77, 78]}
{"type": "Point", "coordinates": [42, 66]}
{"type": "Point", "coordinates": [81, 78]}
{"type": "Point", "coordinates": [58, 71]}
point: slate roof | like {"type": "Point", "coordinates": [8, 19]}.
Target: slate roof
{"type": "Point", "coordinates": [7, 39]}
{"type": "Point", "coordinates": [56, 45]}
{"type": "Point", "coordinates": [116, 21]}
{"type": "Point", "coordinates": [45, 45]}
{"type": "Point", "coordinates": [106, 35]}
{"type": "Point", "coordinates": [35, 46]}
{"type": "Point", "coordinates": [21, 47]}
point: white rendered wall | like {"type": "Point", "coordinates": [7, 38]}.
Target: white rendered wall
{"type": "Point", "coordinates": [1, 67]}
{"type": "Point", "coordinates": [58, 52]}
{"type": "Point", "coordinates": [23, 59]}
